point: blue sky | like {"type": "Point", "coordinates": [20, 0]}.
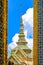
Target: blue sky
{"type": "Point", "coordinates": [14, 16]}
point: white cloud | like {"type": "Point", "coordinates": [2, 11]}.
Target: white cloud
{"type": "Point", "coordinates": [30, 43]}
{"type": "Point", "coordinates": [28, 22]}
{"type": "Point", "coordinates": [13, 44]}
{"type": "Point", "coordinates": [29, 40]}
{"type": "Point", "coordinates": [28, 30]}
{"type": "Point", "coordinates": [28, 17]}
{"type": "Point", "coordinates": [15, 37]}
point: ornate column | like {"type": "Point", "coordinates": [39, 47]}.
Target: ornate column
{"type": "Point", "coordinates": [35, 38]}
{"type": "Point", "coordinates": [3, 32]}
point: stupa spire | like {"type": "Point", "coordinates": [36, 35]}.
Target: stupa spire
{"type": "Point", "coordinates": [21, 22]}
{"type": "Point", "coordinates": [21, 34]}
{"type": "Point", "coordinates": [21, 26]}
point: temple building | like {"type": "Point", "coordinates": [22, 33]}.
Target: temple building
{"type": "Point", "coordinates": [21, 54]}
